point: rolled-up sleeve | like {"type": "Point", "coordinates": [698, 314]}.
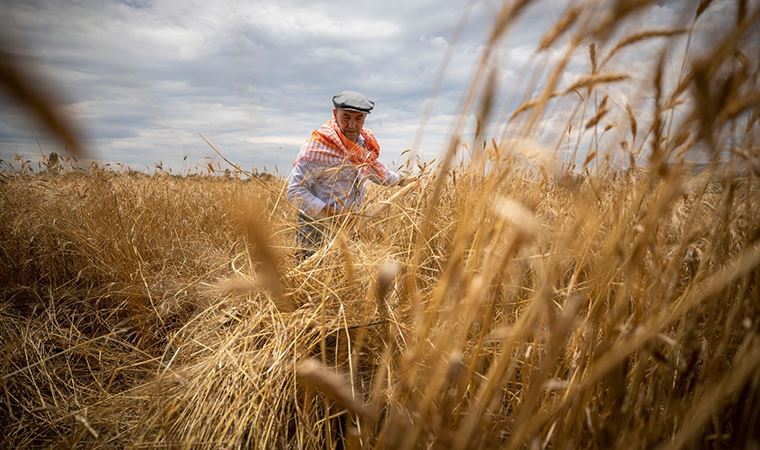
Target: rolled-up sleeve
{"type": "Point", "coordinates": [299, 192]}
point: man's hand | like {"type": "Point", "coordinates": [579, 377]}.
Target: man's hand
{"type": "Point", "coordinates": [407, 180]}
{"type": "Point", "coordinates": [331, 211]}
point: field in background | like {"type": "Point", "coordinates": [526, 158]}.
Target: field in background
{"type": "Point", "coordinates": [497, 304]}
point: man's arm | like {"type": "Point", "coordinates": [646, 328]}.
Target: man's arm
{"type": "Point", "coordinates": [298, 191]}
{"type": "Point", "coordinates": [388, 177]}
{"type": "Point", "coordinates": [391, 178]}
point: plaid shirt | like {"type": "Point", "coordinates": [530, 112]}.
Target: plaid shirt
{"type": "Point", "coordinates": [314, 184]}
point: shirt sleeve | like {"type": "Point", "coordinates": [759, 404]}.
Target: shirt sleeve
{"type": "Point", "coordinates": [389, 177]}
{"type": "Point", "coordinates": [298, 191]}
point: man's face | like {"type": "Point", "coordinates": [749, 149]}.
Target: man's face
{"type": "Point", "coordinates": [349, 122]}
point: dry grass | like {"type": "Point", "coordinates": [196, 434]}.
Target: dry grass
{"type": "Point", "coordinates": [494, 305]}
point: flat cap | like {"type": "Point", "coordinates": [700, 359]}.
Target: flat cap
{"type": "Point", "coordinates": [354, 101]}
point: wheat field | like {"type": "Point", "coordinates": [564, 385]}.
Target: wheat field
{"type": "Point", "coordinates": [507, 301]}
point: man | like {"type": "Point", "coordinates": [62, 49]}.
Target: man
{"type": "Point", "coordinates": [329, 174]}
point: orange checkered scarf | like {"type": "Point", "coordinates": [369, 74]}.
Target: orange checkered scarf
{"type": "Point", "coordinates": [328, 145]}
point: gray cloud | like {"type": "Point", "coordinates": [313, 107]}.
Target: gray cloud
{"type": "Point", "coordinates": [146, 77]}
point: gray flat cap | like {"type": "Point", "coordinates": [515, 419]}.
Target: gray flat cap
{"type": "Point", "coordinates": [354, 101]}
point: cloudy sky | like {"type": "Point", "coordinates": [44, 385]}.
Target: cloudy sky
{"type": "Point", "coordinates": [143, 78]}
